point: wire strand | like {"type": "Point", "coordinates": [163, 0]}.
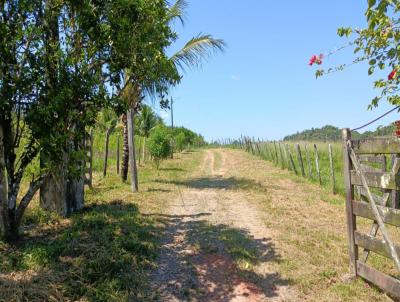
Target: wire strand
{"type": "Point", "coordinates": [377, 119]}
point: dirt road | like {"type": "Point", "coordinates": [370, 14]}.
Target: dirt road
{"type": "Point", "coordinates": [217, 246]}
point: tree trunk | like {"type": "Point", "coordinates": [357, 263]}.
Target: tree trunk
{"type": "Point", "coordinates": [54, 191]}
{"type": "Point", "coordinates": [61, 193]}
{"type": "Point", "coordinates": [131, 145]}
{"type": "Point", "coordinates": [125, 152]}
{"type": "Point", "coordinates": [106, 152]}
{"type": "Point", "coordinates": [144, 149]}
{"type": "Point", "coordinates": [3, 190]}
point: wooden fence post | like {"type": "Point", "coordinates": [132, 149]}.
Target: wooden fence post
{"type": "Point", "coordinates": [395, 202]}
{"type": "Point", "coordinates": [317, 164]}
{"type": "Point", "coordinates": [291, 159]}
{"type": "Point", "coordinates": [308, 162]}
{"type": "Point", "coordinates": [300, 159]}
{"type": "Point", "coordinates": [281, 154]}
{"type": "Point", "coordinates": [118, 150]}
{"type": "Point", "coordinates": [286, 158]}
{"type": "Point", "coordinates": [332, 169]}
{"type": "Point", "coordinates": [351, 219]}
{"type": "Point", "coordinates": [91, 159]}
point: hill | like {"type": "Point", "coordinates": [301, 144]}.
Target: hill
{"type": "Point", "coordinates": [332, 133]}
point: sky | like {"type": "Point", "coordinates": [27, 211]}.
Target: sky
{"type": "Point", "coordinates": [262, 85]}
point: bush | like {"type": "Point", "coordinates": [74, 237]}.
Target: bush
{"type": "Point", "coordinates": [159, 144]}
{"type": "Point", "coordinates": [180, 141]}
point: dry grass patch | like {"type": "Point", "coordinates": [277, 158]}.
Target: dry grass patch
{"type": "Point", "coordinates": [308, 226]}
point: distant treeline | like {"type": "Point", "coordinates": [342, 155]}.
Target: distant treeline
{"type": "Point", "coordinates": [332, 133]}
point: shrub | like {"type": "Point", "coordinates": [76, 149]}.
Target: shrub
{"type": "Point", "coordinates": [159, 144]}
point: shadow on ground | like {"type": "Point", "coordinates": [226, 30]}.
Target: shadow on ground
{"type": "Point", "coordinates": [100, 254]}
{"type": "Point", "coordinates": [218, 182]}
{"type": "Point", "coordinates": [204, 262]}
{"type": "Point", "coordinates": [173, 169]}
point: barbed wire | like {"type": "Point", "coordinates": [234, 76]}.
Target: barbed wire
{"type": "Point", "coordinates": [377, 119]}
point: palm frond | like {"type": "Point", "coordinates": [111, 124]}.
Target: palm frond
{"type": "Point", "coordinates": [178, 10]}
{"type": "Point", "coordinates": [197, 50]}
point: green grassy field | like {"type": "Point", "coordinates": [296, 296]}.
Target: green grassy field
{"type": "Point", "coordinates": [280, 157]}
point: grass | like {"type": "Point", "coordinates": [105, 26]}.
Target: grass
{"type": "Point", "coordinates": [103, 253]}
{"type": "Point", "coordinates": [324, 163]}
{"type": "Point", "coordinates": [308, 225]}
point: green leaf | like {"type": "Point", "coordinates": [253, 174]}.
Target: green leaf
{"type": "Point", "coordinates": [371, 70]}
{"type": "Point", "coordinates": [371, 3]}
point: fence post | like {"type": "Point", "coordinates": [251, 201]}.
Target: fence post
{"type": "Point", "coordinates": [351, 219]}
{"type": "Point", "coordinates": [286, 158]}
{"type": "Point", "coordinates": [291, 159]}
{"type": "Point", "coordinates": [281, 153]}
{"type": "Point", "coordinates": [118, 150]}
{"type": "Point", "coordinates": [317, 164]}
{"type": "Point", "coordinates": [332, 169]}
{"type": "Point", "coordinates": [308, 162]}
{"type": "Point", "coordinates": [395, 193]}
{"type": "Point", "coordinates": [300, 159]}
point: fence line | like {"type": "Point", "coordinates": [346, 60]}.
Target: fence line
{"type": "Point", "coordinates": [281, 154]}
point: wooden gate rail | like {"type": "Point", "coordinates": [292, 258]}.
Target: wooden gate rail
{"type": "Point", "coordinates": [357, 172]}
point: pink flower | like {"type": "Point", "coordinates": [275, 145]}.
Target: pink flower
{"type": "Point", "coordinates": [316, 59]}
{"type": "Point", "coordinates": [313, 59]}
{"type": "Point", "coordinates": [392, 75]}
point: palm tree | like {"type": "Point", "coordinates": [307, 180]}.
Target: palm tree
{"type": "Point", "coordinates": [193, 54]}
{"type": "Point", "coordinates": [107, 121]}
{"type": "Point", "coordinates": [147, 120]}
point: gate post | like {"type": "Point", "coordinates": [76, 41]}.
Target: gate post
{"type": "Point", "coordinates": [351, 218]}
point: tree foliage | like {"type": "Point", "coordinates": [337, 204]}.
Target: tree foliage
{"type": "Point", "coordinates": [332, 133]}
{"type": "Point", "coordinates": [377, 44]}
{"type": "Point", "coordinates": [61, 62]}
{"type": "Point", "coordinates": [185, 138]}
{"type": "Point", "coordinates": [159, 144]}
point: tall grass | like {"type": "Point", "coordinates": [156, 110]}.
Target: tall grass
{"type": "Point", "coordinates": [280, 158]}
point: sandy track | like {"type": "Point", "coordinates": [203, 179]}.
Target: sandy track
{"type": "Point", "coordinates": [210, 205]}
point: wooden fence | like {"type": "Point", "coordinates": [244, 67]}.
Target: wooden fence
{"type": "Point", "coordinates": [365, 173]}
{"type": "Point", "coordinates": [281, 154]}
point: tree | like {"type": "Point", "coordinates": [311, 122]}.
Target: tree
{"type": "Point", "coordinates": [166, 72]}
{"type": "Point", "coordinates": [149, 71]}
{"type": "Point", "coordinates": [147, 120]}
{"type": "Point", "coordinates": [47, 83]}
{"type": "Point", "coordinates": [61, 62]}
{"type": "Point", "coordinates": [107, 121]}
{"type": "Point", "coordinates": [159, 144]}
{"type": "Point", "coordinates": [376, 44]}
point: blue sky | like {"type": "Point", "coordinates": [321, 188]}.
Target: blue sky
{"type": "Point", "coordinates": [262, 86]}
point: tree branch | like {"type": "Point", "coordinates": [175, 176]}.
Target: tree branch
{"type": "Point", "coordinates": [33, 188]}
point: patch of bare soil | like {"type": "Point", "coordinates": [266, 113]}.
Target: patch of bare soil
{"type": "Point", "coordinates": [216, 245]}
